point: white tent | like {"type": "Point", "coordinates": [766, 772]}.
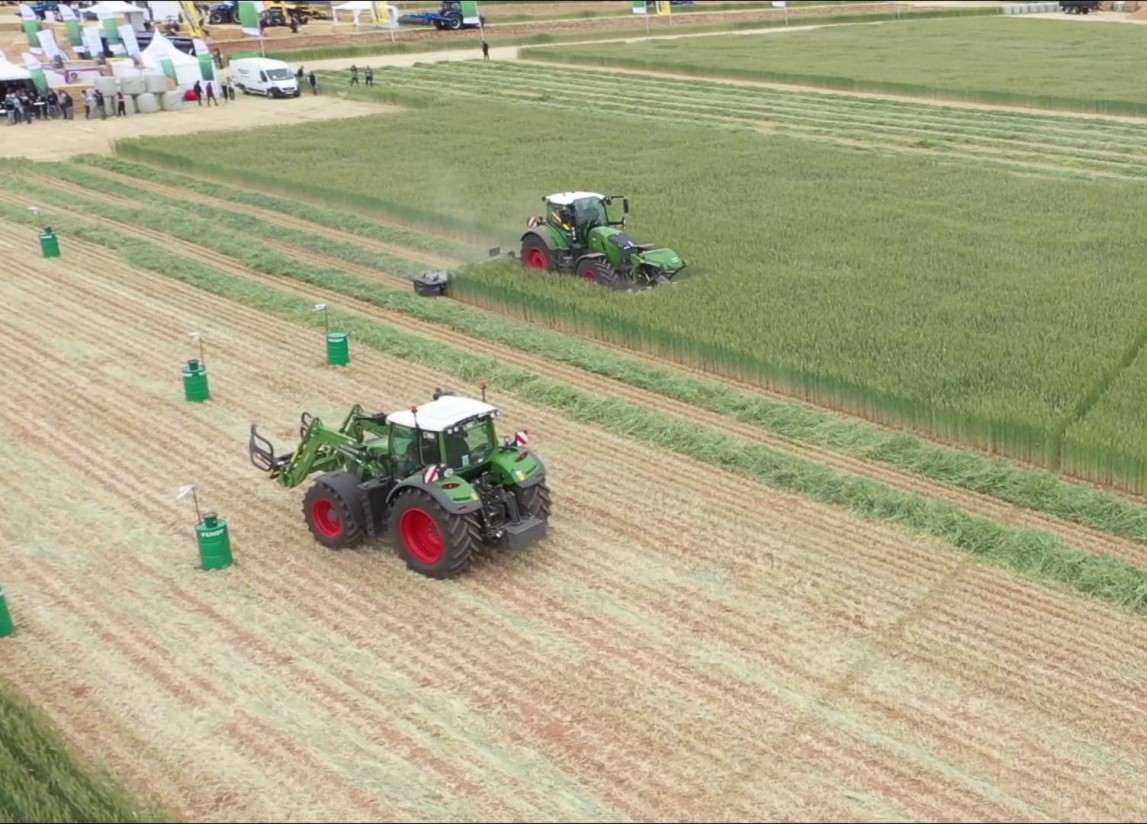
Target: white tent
{"type": "Point", "coordinates": [360, 8]}
{"type": "Point", "coordinates": [8, 71]}
{"type": "Point", "coordinates": [187, 69]}
{"type": "Point", "coordinates": [114, 7]}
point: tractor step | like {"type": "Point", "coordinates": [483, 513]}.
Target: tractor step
{"type": "Point", "coordinates": [522, 535]}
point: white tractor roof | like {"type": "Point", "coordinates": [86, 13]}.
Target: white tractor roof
{"type": "Point", "coordinates": [440, 415]}
{"type": "Point", "coordinates": [566, 198]}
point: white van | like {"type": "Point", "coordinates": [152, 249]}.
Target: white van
{"type": "Point", "coordinates": [260, 75]}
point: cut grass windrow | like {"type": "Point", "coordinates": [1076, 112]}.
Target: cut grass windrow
{"type": "Point", "coordinates": [1028, 552]}
{"type": "Point", "coordinates": [41, 781]}
{"type": "Point", "coordinates": [1028, 488]}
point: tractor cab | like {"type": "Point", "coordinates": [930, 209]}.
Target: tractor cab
{"type": "Point", "coordinates": [577, 213]}
{"type": "Point", "coordinates": [450, 431]}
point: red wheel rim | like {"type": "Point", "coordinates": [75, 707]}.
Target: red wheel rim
{"type": "Point", "coordinates": [588, 273]}
{"type": "Point", "coordinates": [326, 518]}
{"type": "Point", "coordinates": [422, 536]}
{"type": "Point", "coordinates": [537, 259]}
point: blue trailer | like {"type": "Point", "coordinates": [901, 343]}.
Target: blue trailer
{"type": "Point", "coordinates": [448, 17]}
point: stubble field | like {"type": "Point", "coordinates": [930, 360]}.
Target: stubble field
{"type": "Point", "coordinates": [708, 649]}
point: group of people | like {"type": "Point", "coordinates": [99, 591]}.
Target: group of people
{"type": "Point", "coordinates": [199, 92]}
{"type": "Point", "coordinates": [354, 76]}
{"type": "Point", "coordinates": [24, 106]}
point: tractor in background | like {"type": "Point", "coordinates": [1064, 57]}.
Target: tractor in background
{"type": "Point", "coordinates": [577, 237]}
{"type": "Point", "coordinates": [452, 16]}
{"type": "Point", "coordinates": [434, 478]}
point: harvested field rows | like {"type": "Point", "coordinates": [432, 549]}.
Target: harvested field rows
{"type": "Point", "coordinates": [751, 657]}
{"type": "Point", "coordinates": [1034, 142]}
{"type": "Point", "coordinates": [983, 505]}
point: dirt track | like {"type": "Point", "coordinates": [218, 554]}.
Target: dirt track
{"type": "Point", "coordinates": [975, 503]}
{"type": "Point", "coordinates": [670, 653]}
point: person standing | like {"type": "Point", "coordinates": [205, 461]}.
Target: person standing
{"type": "Point", "coordinates": [120, 104]}
{"type": "Point", "coordinates": [369, 76]}
{"type": "Point", "coordinates": [198, 87]}
{"type": "Point", "coordinates": [485, 50]}
{"type": "Point", "coordinates": [100, 105]}
{"type": "Point", "coordinates": [89, 103]}
{"type": "Point", "coordinates": [67, 104]}
{"type": "Point", "coordinates": [314, 82]}
{"type": "Point", "coordinates": [211, 95]}
{"type": "Point", "coordinates": [354, 75]}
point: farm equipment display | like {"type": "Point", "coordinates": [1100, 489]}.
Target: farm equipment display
{"type": "Point", "coordinates": [434, 478]}
{"type": "Point", "coordinates": [576, 237]}
{"type": "Point", "coordinates": [274, 13]}
{"type": "Point", "coordinates": [452, 15]}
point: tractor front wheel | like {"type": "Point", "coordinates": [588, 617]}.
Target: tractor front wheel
{"type": "Point", "coordinates": [534, 500]}
{"type": "Point", "coordinates": [604, 274]}
{"type": "Point", "coordinates": [535, 254]}
{"type": "Point", "coordinates": [433, 542]}
{"type": "Point", "coordinates": [334, 511]}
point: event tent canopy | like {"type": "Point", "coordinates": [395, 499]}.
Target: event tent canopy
{"type": "Point", "coordinates": [9, 71]}
{"type": "Point", "coordinates": [114, 7]}
{"type": "Point", "coordinates": [187, 69]}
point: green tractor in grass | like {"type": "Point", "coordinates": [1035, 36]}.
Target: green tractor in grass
{"type": "Point", "coordinates": [433, 478]}
{"type": "Point", "coordinates": [576, 237]}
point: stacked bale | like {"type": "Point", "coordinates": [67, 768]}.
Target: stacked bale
{"type": "Point", "coordinates": [172, 101]}
{"type": "Point", "coordinates": [147, 103]}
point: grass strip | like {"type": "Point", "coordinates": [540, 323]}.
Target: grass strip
{"type": "Point", "coordinates": [1030, 553]}
{"type": "Point", "coordinates": [1032, 489]}
{"type": "Point", "coordinates": [41, 781]}
{"type": "Point", "coordinates": [349, 223]}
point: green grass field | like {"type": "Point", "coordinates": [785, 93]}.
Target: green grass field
{"type": "Point", "coordinates": [41, 781]}
{"type": "Point", "coordinates": [996, 59]}
{"type": "Point", "coordinates": [971, 303]}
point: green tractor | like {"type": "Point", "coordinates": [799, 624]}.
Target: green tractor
{"type": "Point", "coordinates": [434, 479]}
{"type": "Point", "coordinates": [576, 237]}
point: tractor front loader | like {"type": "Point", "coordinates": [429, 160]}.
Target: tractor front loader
{"type": "Point", "coordinates": [434, 479]}
{"type": "Point", "coordinates": [577, 237]}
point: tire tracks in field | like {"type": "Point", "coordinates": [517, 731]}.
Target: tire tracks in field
{"type": "Point", "coordinates": [972, 502]}
{"type": "Point", "coordinates": [899, 774]}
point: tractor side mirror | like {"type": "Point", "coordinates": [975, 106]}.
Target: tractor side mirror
{"type": "Point", "coordinates": [625, 205]}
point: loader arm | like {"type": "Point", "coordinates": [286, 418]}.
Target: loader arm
{"type": "Point", "coordinates": [320, 450]}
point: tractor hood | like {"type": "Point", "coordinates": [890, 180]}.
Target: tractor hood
{"type": "Point", "coordinates": [665, 259]}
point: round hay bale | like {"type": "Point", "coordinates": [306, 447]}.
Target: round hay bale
{"type": "Point", "coordinates": [155, 83]}
{"type": "Point", "coordinates": [133, 85]}
{"type": "Point", "coordinates": [109, 105]}
{"type": "Point", "coordinates": [106, 85]}
{"type": "Point", "coordinates": [146, 103]}
{"type": "Point", "coordinates": [172, 101]}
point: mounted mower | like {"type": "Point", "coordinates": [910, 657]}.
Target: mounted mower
{"type": "Point", "coordinates": [576, 237]}
{"type": "Point", "coordinates": [434, 478]}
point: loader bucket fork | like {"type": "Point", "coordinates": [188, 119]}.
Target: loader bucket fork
{"type": "Point", "coordinates": [262, 454]}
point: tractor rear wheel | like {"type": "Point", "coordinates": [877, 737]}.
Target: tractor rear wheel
{"type": "Point", "coordinates": [433, 542]}
{"type": "Point", "coordinates": [536, 255]}
{"type": "Point", "coordinates": [334, 512]}
{"type": "Point", "coordinates": [534, 500]}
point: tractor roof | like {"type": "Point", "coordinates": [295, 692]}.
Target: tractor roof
{"type": "Point", "coordinates": [566, 198]}
{"type": "Point", "coordinates": [440, 415]}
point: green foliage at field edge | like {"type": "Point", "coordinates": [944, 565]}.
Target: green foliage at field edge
{"type": "Point", "coordinates": [1036, 490]}
{"type": "Point", "coordinates": [1004, 60]}
{"type": "Point", "coordinates": [40, 781]}
{"type": "Point", "coordinates": [1031, 553]}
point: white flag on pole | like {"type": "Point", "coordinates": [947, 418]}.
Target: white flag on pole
{"type": "Point", "coordinates": [320, 307]}
{"type": "Point", "coordinates": [184, 491]}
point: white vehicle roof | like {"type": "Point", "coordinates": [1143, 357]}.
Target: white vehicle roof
{"type": "Point", "coordinates": [440, 415]}
{"type": "Point", "coordinates": [260, 63]}
{"type": "Point", "coordinates": [566, 198]}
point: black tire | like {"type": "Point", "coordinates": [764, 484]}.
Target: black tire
{"type": "Point", "coordinates": [604, 274]}
{"type": "Point", "coordinates": [430, 540]}
{"type": "Point", "coordinates": [533, 250]}
{"type": "Point", "coordinates": [455, 22]}
{"type": "Point", "coordinates": [534, 500]}
{"type": "Point", "coordinates": [216, 18]}
{"type": "Point", "coordinates": [333, 510]}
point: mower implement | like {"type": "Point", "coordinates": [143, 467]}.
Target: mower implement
{"type": "Point", "coordinates": [433, 478]}
{"type": "Point", "coordinates": [577, 237]}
